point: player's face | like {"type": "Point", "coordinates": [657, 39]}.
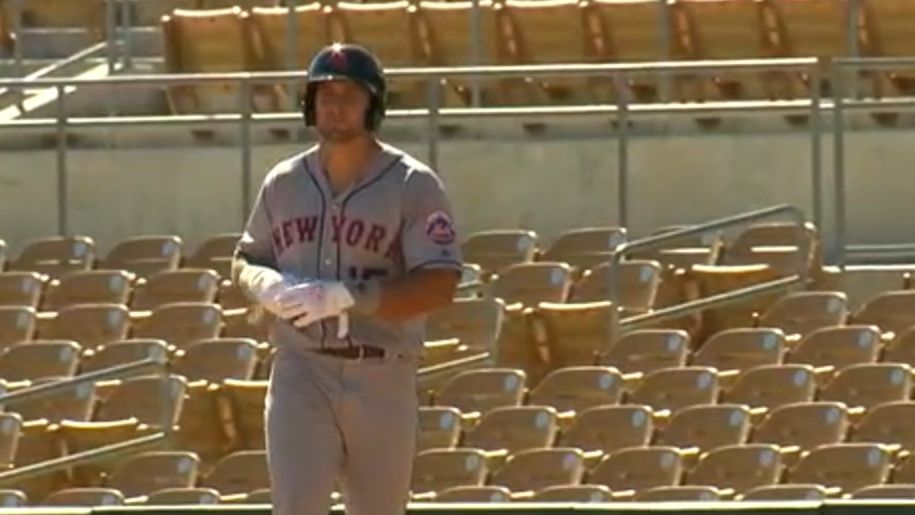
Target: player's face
{"type": "Point", "coordinates": [340, 108]}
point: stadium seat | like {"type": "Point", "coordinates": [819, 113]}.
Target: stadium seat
{"type": "Point", "coordinates": [532, 283]}
{"type": "Point", "coordinates": [849, 466]}
{"type": "Point", "coordinates": [514, 429]}
{"type": "Point", "coordinates": [201, 428]}
{"type": "Point", "coordinates": [755, 242]}
{"type": "Point", "coordinates": [861, 283]}
{"type": "Point", "coordinates": [578, 388]}
{"type": "Point", "coordinates": [899, 492]}
{"type": "Point", "coordinates": [436, 470]}
{"type": "Point", "coordinates": [483, 390]}
{"type": "Point", "coordinates": [497, 249]}
{"type": "Point", "coordinates": [647, 350]}
{"type": "Point", "coordinates": [886, 23]}
{"type": "Point", "coordinates": [231, 296]}
{"type": "Point", "coordinates": [892, 311]}
{"type": "Point", "coordinates": [475, 322]}
{"type": "Point", "coordinates": [719, 279]}
{"type": "Point", "coordinates": [576, 333]}
{"type": "Point", "coordinates": [270, 26]}
{"type": "Point", "coordinates": [585, 247]}
{"type": "Point", "coordinates": [838, 347]}
{"type": "Point", "coordinates": [901, 349]}
{"type": "Point", "coordinates": [680, 494]}
{"type": "Point", "coordinates": [17, 324]}
{"type": "Point", "coordinates": [85, 496]}
{"type": "Point", "coordinates": [40, 359]}
{"type": "Point", "coordinates": [742, 349]}
{"type": "Point", "coordinates": [869, 384]}
{"type": "Point", "coordinates": [217, 359]}
{"type": "Point", "coordinates": [13, 498]}
{"type": "Point", "coordinates": [905, 471]}
{"type": "Point", "coordinates": [795, 492]}
{"type": "Point", "coordinates": [239, 473]}
{"type": "Point", "coordinates": [637, 285]}
{"type": "Point", "coordinates": [639, 468]}
{"type": "Point", "coordinates": [536, 469]}
{"type": "Point", "coordinates": [186, 285]}
{"type": "Point", "coordinates": [181, 323]}
{"type": "Point", "coordinates": [74, 403]}
{"type": "Point", "coordinates": [90, 325]}
{"type": "Point", "coordinates": [610, 428]}
{"type": "Point", "coordinates": [707, 427]}
{"type": "Point", "coordinates": [39, 442]}
{"type": "Point", "coordinates": [804, 312]}
{"type": "Point", "coordinates": [11, 428]}
{"type": "Point", "coordinates": [212, 41]}
{"type": "Point", "coordinates": [89, 287]}
{"type": "Point", "coordinates": [772, 386]}
{"type": "Point", "coordinates": [574, 494]}
{"type": "Point", "coordinates": [122, 352]}
{"type": "Point", "coordinates": [475, 494]}
{"type": "Point", "coordinates": [805, 425]}
{"type": "Point", "coordinates": [890, 423]}
{"type": "Point", "coordinates": [215, 252]}
{"type": "Point", "coordinates": [56, 256]}
{"type": "Point", "coordinates": [21, 289]}
{"type": "Point", "coordinates": [677, 388]}
{"type": "Point", "coordinates": [160, 470]}
{"type": "Point", "coordinates": [245, 400]}
{"type": "Point", "coordinates": [144, 256]}
{"type": "Point", "coordinates": [4, 248]}
{"type": "Point", "coordinates": [739, 468]}
{"type": "Point", "coordinates": [251, 323]}
{"type": "Point", "coordinates": [179, 496]}
{"type": "Point", "coordinates": [439, 428]}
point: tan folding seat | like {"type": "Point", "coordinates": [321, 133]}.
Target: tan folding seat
{"type": "Point", "coordinates": [707, 427]}
{"type": "Point", "coordinates": [719, 279]}
{"type": "Point", "coordinates": [496, 250]}
{"type": "Point", "coordinates": [39, 359]}
{"type": "Point", "coordinates": [74, 403]}
{"type": "Point", "coordinates": [56, 256]}
{"type": "Point", "coordinates": [805, 425]}
{"type": "Point", "coordinates": [574, 494]}
{"type": "Point", "coordinates": [85, 496]}
{"type": "Point", "coordinates": [483, 390]}
{"type": "Point", "coordinates": [531, 283]}
{"type": "Point", "coordinates": [239, 473]}
{"type": "Point", "coordinates": [776, 238]}
{"type": "Point", "coordinates": [435, 470]}
{"type": "Point", "coordinates": [677, 388]}
{"type": "Point", "coordinates": [862, 283]}
{"type": "Point", "coordinates": [804, 312]}
{"type": "Point", "coordinates": [215, 252]}
{"type": "Point", "coordinates": [639, 468]}
{"type": "Point", "coordinates": [891, 423]}
{"type": "Point", "coordinates": [637, 285]}
{"type": "Point", "coordinates": [772, 386]}
{"type": "Point", "coordinates": [488, 493]}
{"type": "Point", "coordinates": [185, 285]}
{"type": "Point", "coordinates": [610, 428]}
{"type": "Point", "coordinates": [201, 426]}
{"type": "Point", "coordinates": [89, 287]}
{"type": "Point", "coordinates": [231, 296]}
{"type": "Point", "coordinates": [536, 469]}
{"type": "Point", "coordinates": [11, 430]}
{"type": "Point", "coordinates": [252, 322]}
{"type": "Point", "coordinates": [122, 352]}
{"type": "Point", "coordinates": [89, 324]}
{"type": "Point", "coordinates": [725, 30]}
{"type": "Point", "coordinates": [680, 494]}
{"type": "Point", "coordinates": [217, 359]}
{"type": "Point", "coordinates": [793, 492]}
{"type": "Point", "coordinates": [439, 428]}
{"type": "Point", "coordinates": [838, 347]}
{"type": "Point", "coordinates": [177, 496]}
{"type": "Point", "coordinates": [475, 322]}
{"type": "Point", "coordinates": [212, 41]}
{"type": "Point", "coordinates": [738, 467]}
{"type": "Point", "coordinates": [371, 25]}
{"type": "Point", "coordinates": [905, 471]}
{"type": "Point", "coordinates": [538, 32]}
{"type": "Point", "coordinates": [160, 470]}
{"type": "Point", "coordinates": [181, 323]}
{"type": "Point", "coordinates": [246, 404]}
{"type": "Point", "coordinates": [578, 388]}
{"type": "Point", "coordinates": [13, 498]}
{"type": "Point", "coordinates": [906, 491]}
{"type": "Point", "coordinates": [869, 384]}
{"type": "Point", "coordinates": [742, 349]}
{"type": "Point", "coordinates": [889, 36]}
{"type": "Point", "coordinates": [849, 466]}
{"type": "Point", "coordinates": [576, 333]}
{"type": "Point", "coordinates": [21, 289]}
{"type": "Point", "coordinates": [271, 26]}
{"type": "Point", "coordinates": [890, 311]}
{"type": "Point", "coordinates": [514, 429]}
{"type": "Point", "coordinates": [585, 247]}
{"type": "Point", "coordinates": [901, 349]}
{"type": "Point", "coordinates": [144, 256]}
{"type": "Point", "coordinates": [647, 351]}
{"type": "Point", "coordinates": [17, 324]}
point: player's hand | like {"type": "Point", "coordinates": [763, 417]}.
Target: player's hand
{"type": "Point", "coordinates": [269, 296]}
{"type": "Point", "coordinates": [309, 302]}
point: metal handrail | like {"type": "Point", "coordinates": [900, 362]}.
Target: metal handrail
{"type": "Point", "coordinates": [652, 242]}
{"type": "Point", "coordinates": [105, 452]}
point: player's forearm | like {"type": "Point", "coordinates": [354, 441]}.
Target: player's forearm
{"type": "Point", "coordinates": [415, 294]}
{"type": "Point", "coordinates": [253, 278]}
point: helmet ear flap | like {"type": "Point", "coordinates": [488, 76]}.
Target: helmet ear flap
{"type": "Point", "coordinates": [307, 105]}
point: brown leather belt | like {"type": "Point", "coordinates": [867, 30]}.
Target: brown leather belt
{"type": "Point", "coordinates": [356, 352]}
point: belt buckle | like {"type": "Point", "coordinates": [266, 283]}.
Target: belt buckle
{"type": "Point", "coordinates": [361, 354]}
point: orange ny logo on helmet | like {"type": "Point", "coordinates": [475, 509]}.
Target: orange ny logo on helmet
{"type": "Point", "coordinates": [338, 58]}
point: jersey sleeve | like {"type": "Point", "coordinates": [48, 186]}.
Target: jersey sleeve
{"type": "Point", "coordinates": [256, 242]}
{"type": "Point", "coordinates": [429, 238]}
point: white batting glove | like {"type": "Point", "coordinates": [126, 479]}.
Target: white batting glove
{"type": "Point", "coordinates": [309, 302]}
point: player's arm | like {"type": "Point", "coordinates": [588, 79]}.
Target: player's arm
{"type": "Point", "coordinates": [419, 292]}
{"type": "Point", "coordinates": [254, 266]}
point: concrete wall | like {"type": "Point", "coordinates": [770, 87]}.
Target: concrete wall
{"type": "Point", "coordinates": [546, 183]}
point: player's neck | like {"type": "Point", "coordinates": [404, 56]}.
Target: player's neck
{"type": "Point", "coordinates": [345, 163]}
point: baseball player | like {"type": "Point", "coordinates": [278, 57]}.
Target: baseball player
{"type": "Point", "coordinates": [349, 244]}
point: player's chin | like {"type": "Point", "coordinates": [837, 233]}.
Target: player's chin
{"type": "Point", "coordinates": [337, 135]}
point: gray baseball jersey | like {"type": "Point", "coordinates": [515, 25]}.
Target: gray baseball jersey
{"type": "Point", "coordinates": [396, 219]}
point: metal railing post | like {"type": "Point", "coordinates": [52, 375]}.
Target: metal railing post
{"type": "Point", "coordinates": [854, 50]}
{"type": "Point", "coordinates": [476, 51]}
{"type": "Point", "coordinates": [816, 158]}
{"type": "Point", "coordinates": [110, 34]}
{"type": "Point", "coordinates": [836, 256]}
{"type": "Point", "coordinates": [622, 161]}
{"type": "Point", "coordinates": [17, 32]}
{"type": "Point", "coordinates": [292, 51]}
{"type": "Point", "coordinates": [126, 34]}
{"type": "Point", "coordinates": [433, 93]}
{"type": "Point", "coordinates": [244, 99]}
{"type": "Point", "coordinates": [62, 193]}
{"type": "Point", "coordinates": [665, 39]}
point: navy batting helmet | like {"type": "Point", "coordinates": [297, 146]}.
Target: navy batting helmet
{"type": "Point", "coordinates": [352, 62]}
